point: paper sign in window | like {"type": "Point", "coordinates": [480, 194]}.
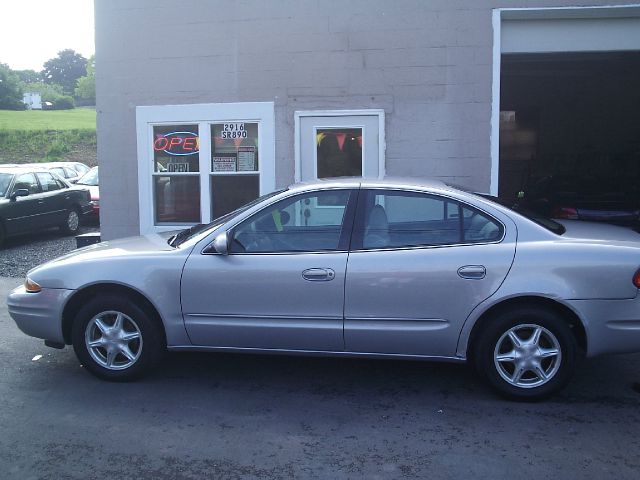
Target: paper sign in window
{"type": "Point", "coordinates": [246, 159]}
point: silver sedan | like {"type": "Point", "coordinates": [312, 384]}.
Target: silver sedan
{"type": "Point", "coordinates": [389, 269]}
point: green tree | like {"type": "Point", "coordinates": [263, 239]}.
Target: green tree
{"type": "Point", "coordinates": [65, 70]}
{"type": "Point", "coordinates": [86, 88]}
{"type": "Point", "coordinates": [28, 76]}
{"type": "Point", "coordinates": [10, 89]}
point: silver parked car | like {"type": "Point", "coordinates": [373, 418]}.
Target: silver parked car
{"type": "Point", "coordinates": [388, 269]}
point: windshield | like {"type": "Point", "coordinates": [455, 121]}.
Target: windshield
{"type": "Point", "coordinates": [191, 232]}
{"type": "Point", "coordinates": [90, 178]}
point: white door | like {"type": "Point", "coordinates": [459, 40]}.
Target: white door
{"type": "Point", "coordinates": [340, 144]}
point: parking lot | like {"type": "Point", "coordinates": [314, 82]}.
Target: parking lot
{"type": "Point", "coordinates": [232, 416]}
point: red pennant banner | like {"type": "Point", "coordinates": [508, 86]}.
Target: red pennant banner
{"type": "Point", "coordinates": [359, 141]}
{"type": "Point", "coordinates": [341, 137]}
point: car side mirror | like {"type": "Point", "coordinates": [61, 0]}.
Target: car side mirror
{"type": "Point", "coordinates": [221, 244]}
{"type": "Point", "coordinates": [20, 192]}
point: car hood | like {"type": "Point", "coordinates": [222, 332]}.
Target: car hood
{"type": "Point", "coordinates": [144, 244]}
{"type": "Point", "coordinates": [579, 230]}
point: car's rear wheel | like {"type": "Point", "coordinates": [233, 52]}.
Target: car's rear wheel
{"type": "Point", "coordinates": [526, 353]}
{"type": "Point", "coordinates": [115, 339]}
{"type": "Point", "coordinates": [71, 224]}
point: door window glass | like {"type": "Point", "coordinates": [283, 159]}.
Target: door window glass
{"type": "Point", "coordinates": [47, 182]}
{"type": "Point", "coordinates": [26, 181]}
{"type": "Point", "coordinates": [297, 224]}
{"type": "Point", "coordinates": [395, 219]}
{"type": "Point", "coordinates": [339, 152]}
{"type": "Point", "coordinates": [176, 181]}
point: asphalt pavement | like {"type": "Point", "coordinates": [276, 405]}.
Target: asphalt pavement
{"type": "Point", "coordinates": [220, 416]}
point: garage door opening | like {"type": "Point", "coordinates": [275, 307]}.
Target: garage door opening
{"type": "Point", "coordinates": [570, 131]}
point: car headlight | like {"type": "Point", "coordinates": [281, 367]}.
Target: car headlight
{"type": "Point", "coordinates": [31, 286]}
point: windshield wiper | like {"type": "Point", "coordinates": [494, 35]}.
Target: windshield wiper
{"type": "Point", "coordinates": [185, 234]}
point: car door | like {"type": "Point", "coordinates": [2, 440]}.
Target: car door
{"type": "Point", "coordinates": [419, 265]}
{"type": "Point", "coordinates": [55, 199]}
{"type": "Point", "coordinates": [21, 214]}
{"type": "Point", "coordinates": [282, 284]}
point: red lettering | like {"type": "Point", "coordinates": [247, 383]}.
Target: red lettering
{"type": "Point", "coordinates": [160, 144]}
{"type": "Point", "coordinates": [189, 144]}
{"type": "Point", "coordinates": [174, 142]}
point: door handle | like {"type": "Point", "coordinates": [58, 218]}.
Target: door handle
{"type": "Point", "coordinates": [318, 274]}
{"type": "Point", "coordinates": [472, 272]}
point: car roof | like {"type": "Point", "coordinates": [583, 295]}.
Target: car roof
{"type": "Point", "coordinates": [387, 182]}
{"type": "Point", "coordinates": [17, 169]}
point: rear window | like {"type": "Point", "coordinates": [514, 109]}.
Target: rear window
{"type": "Point", "coordinates": [541, 220]}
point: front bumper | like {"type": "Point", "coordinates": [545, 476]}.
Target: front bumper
{"type": "Point", "coordinates": [39, 314]}
{"type": "Point", "coordinates": [612, 326]}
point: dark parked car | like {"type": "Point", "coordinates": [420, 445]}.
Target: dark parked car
{"type": "Point", "coordinates": [33, 199]}
{"type": "Point", "coordinates": [594, 199]}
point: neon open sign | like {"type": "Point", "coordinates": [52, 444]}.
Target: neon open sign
{"type": "Point", "coordinates": [177, 143]}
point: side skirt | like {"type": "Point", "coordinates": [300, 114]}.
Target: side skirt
{"type": "Point", "coordinates": [313, 353]}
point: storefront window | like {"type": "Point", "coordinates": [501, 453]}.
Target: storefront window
{"type": "Point", "coordinates": [339, 152]}
{"type": "Point", "coordinates": [234, 166]}
{"type": "Point", "coordinates": [176, 182]}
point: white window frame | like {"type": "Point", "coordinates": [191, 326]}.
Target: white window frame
{"type": "Point", "coordinates": [203, 115]}
{"type": "Point", "coordinates": [340, 113]}
{"type": "Point", "coordinates": [500, 14]}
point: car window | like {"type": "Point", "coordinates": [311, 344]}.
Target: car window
{"type": "Point", "coordinates": [80, 168]}
{"type": "Point", "coordinates": [60, 171]}
{"type": "Point", "coordinates": [479, 228]}
{"type": "Point", "coordinates": [5, 180]}
{"type": "Point", "coordinates": [89, 178]}
{"type": "Point", "coordinates": [47, 182]}
{"type": "Point", "coordinates": [26, 181]}
{"type": "Point", "coordinates": [308, 222]}
{"type": "Point", "coordinates": [396, 219]}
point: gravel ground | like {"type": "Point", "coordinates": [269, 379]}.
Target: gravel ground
{"type": "Point", "coordinates": [20, 254]}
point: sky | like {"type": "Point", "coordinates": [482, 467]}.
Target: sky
{"type": "Point", "coordinates": [34, 31]}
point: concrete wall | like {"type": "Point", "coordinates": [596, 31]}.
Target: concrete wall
{"type": "Point", "coordinates": [428, 64]}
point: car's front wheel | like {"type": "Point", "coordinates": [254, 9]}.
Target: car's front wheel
{"type": "Point", "coordinates": [526, 353]}
{"type": "Point", "coordinates": [115, 339]}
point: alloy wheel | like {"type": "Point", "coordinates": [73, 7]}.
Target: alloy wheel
{"type": "Point", "coordinates": [73, 221]}
{"type": "Point", "coordinates": [113, 340]}
{"type": "Point", "coordinates": [527, 356]}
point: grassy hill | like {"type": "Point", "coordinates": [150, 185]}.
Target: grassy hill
{"type": "Point", "coordinates": [35, 135]}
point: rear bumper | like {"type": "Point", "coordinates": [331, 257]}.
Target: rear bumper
{"type": "Point", "coordinates": [612, 326]}
{"type": "Point", "coordinates": [86, 209]}
{"type": "Point", "coordinates": [39, 314]}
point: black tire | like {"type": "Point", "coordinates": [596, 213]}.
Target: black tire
{"type": "Point", "coordinates": [71, 223]}
{"type": "Point", "coordinates": [535, 372]}
{"type": "Point", "coordinates": [101, 312]}
{"type": "Point", "coordinates": [2, 236]}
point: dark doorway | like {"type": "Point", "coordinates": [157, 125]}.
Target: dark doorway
{"type": "Point", "coordinates": [570, 120]}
